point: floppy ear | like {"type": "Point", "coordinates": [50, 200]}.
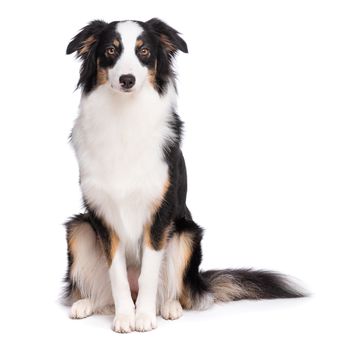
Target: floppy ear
{"type": "Point", "coordinates": [86, 38]}
{"type": "Point", "coordinates": [84, 44]}
{"type": "Point", "coordinates": [168, 36]}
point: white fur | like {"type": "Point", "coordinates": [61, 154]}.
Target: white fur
{"type": "Point", "coordinates": [148, 285]}
{"type": "Point", "coordinates": [118, 142]}
{"type": "Point", "coordinates": [128, 62]}
{"type": "Point", "coordinates": [171, 310]}
{"type": "Point", "coordinates": [81, 309]}
{"type": "Point", "coordinates": [171, 278]}
{"type": "Point", "coordinates": [124, 306]}
{"type": "Point", "coordinates": [171, 281]}
{"type": "Point", "coordinates": [89, 270]}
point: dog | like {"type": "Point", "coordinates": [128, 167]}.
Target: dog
{"type": "Point", "coordinates": [136, 250]}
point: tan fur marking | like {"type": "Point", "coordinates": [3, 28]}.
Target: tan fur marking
{"type": "Point", "coordinates": [139, 43]}
{"type": "Point", "coordinates": [164, 240]}
{"type": "Point", "coordinates": [102, 76]}
{"type": "Point", "coordinates": [157, 203]}
{"type": "Point", "coordinates": [114, 245]}
{"type": "Point", "coordinates": [76, 295]}
{"type": "Point", "coordinates": [148, 238]}
{"type": "Point", "coordinates": [146, 235]}
{"type": "Point", "coordinates": [152, 74]}
{"type": "Point", "coordinates": [167, 43]}
{"type": "Point", "coordinates": [110, 251]}
{"type": "Point", "coordinates": [155, 207]}
{"type": "Point", "coordinates": [72, 241]}
{"type": "Point", "coordinates": [116, 42]}
{"type": "Point", "coordinates": [87, 44]}
{"type": "Point", "coordinates": [186, 300]}
{"type": "Point", "coordinates": [186, 246]}
{"type": "Point", "coordinates": [74, 231]}
{"type": "Point", "coordinates": [71, 248]}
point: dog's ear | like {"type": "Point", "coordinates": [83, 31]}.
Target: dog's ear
{"type": "Point", "coordinates": [84, 44]}
{"type": "Point", "coordinates": [84, 41]}
{"type": "Point", "coordinates": [168, 36]}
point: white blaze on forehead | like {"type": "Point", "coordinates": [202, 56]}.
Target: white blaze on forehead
{"type": "Point", "coordinates": [129, 32]}
{"type": "Point", "coordinates": [128, 62]}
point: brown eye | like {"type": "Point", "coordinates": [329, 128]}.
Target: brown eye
{"type": "Point", "coordinates": [144, 52]}
{"type": "Point", "coordinates": [111, 50]}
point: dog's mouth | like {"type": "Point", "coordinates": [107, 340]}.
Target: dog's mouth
{"type": "Point", "coordinates": [126, 90]}
{"type": "Point", "coordinates": [120, 88]}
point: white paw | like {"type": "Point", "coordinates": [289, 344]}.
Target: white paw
{"type": "Point", "coordinates": [124, 323]}
{"type": "Point", "coordinates": [171, 310]}
{"type": "Point", "coordinates": [81, 308]}
{"type": "Point", "coordinates": [145, 321]}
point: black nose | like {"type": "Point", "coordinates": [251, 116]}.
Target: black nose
{"type": "Point", "coordinates": [127, 81]}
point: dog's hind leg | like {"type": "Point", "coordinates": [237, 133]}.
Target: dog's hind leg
{"type": "Point", "coordinates": [171, 279]}
{"type": "Point", "coordinates": [88, 286]}
{"type": "Point", "coordinates": [181, 281]}
{"type": "Point", "coordinates": [181, 261]}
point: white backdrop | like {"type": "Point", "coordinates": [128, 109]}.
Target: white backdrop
{"type": "Point", "coordinates": [267, 96]}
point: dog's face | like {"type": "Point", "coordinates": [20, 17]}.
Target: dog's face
{"type": "Point", "coordinates": [126, 55]}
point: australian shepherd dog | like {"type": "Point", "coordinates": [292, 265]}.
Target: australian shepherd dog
{"type": "Point", "coordinates": [135, 249]}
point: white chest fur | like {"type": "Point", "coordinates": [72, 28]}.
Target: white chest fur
{"type": "Point", "coordinates": [118, 142]}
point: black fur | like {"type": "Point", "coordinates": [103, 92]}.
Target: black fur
{"type": "Point", "coordinates": [161, 28]}
{"type": "Point", "coordinates": [88, 68]}
{"type": "Point", "coordinates": [101, 231]}
{"type": "Point", "coordinates": [165, 54]}
{"type": "Point", "coordinates": [193, 280]}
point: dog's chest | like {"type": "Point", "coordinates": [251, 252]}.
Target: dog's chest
{"type": "Point", "coordinates": [122, 169]}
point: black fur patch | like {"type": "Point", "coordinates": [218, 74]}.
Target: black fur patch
{"type": "Point", "coordinates": [88, 70]}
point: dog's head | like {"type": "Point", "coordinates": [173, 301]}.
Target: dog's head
{"type": "Point", "coordinates": [126, 55]}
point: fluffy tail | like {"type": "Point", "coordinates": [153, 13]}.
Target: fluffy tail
{"type": "Point", "coordinates": [238, 284]}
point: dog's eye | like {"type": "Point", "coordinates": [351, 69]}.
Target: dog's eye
{"type": "Point", "coordinates": [111, 50]}
{"type": "Point", "coordinates": [144, 52]}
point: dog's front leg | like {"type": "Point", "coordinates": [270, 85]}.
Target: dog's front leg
{"type": "Point", "coordinates": [148, 282]}
{"type": "Point", "coordinates": [124, 321]}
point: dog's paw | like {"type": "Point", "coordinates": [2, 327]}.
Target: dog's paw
{"type": "Point", "coordinates": [124, 322]}
{"type": "Point", "coordinates": [171, 310]}
{"type": "Point", "coordinates": [81, 309]}
{"type": "Point", "coordinates": [145, 321]}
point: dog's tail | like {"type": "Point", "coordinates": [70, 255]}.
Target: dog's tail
{"type": "Point", "coordinates": [237, 284]}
